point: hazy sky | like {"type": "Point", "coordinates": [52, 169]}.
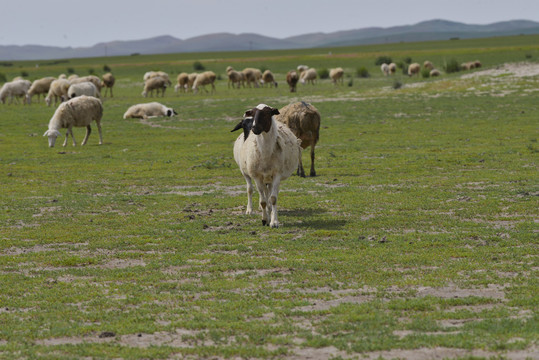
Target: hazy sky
{"type": "Point", "coordinates": [85, 23]}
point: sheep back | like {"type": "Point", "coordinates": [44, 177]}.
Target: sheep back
{"type": "Point", "coordinates": [303, 119]}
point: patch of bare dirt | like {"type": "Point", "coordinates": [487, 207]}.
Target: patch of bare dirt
{"type": "Point", "coordinates": [512, 69]}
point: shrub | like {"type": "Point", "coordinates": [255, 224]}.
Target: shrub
{"type": "Point", "coordinates": [323, 73]}
{"type": "Point", "coordinates": [405, 69]}
{"type": "Point", "coordinates": [383, 60]}
{"type": "Point", "coordinates": [362, 72]}
{"type": "Point", "coordinates": [528, 56]}
{"type": "Point", "coordinates": [407, 60]}
{"type": "Point", "coordinates": [425, 73]}
{"type": "Point", "coordinates": [197, 65]}
{"type": "Point", "coordinates": [351, 82]}
{"type": "Point", "coordinates": [106, 68]}
{"type": "Point", "coordinates": [24, 74]}
{"type": "Point", "coordinates": [397, 84]}
{"type": "Point", "coordinates": [91, 71]}
{"type": "Point", "coordinates": [70, 70]}
{"type": "Point", "coordinates": [452, 66]}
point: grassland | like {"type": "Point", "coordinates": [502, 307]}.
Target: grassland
{"type": "Point", "coordinates": [417, 239]}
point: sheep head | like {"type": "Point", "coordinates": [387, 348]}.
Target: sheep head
{"type": "Point", "coordinates": [262, 118]}
{"type": "Point", "coordinates": [246, 124]}
{"type": "Point", "coordinates": [170, 112]}
{"type": "Point", "coordinates": [52, 134]}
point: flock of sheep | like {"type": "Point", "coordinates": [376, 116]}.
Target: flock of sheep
{"type": "Point", "coordinates": [415, 68]}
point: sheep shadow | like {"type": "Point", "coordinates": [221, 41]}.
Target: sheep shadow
{"type": "Point", "coordinates": [312, 219]}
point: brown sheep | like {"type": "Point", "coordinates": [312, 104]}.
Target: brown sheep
{"type": "Point", "coordinates": [304, 121]}
{"type": "Point", "coordinates": [413, 69]}
{"type": "Point", "coordinates": [267, 78]}
{"type": "Point", "coordinates": [292, 79]}
{"type": "Point", "coordinates": [182, 79]}
{"type": "Point", "coordinates": [428, 65]}
{"type": "Point", "coordinates": [252, 75]}
{"type": "Point", "coordinates": [108, 83]}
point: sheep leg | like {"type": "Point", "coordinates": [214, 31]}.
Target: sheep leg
{"type": "Point", "coordinates": [262, 191]}
{"type": "Point", "coordinates": [313, 172]}
{"type": "Point", "coordinates": [300, 172]}
{"type": "Point", "coordinates": [99, 130]}
{"type": "Point", "coordinates": [249, 182]}
{"type": "Point", "coordinates": [88, 132]}
{"type": "Point", "coordinates": [273, 192]}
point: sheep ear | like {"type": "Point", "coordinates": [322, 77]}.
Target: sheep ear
{"type": "Point", "coordinates": [274, 111]}
{"type": "Point", "coordinates": [175, 113]}
{"type": "Point", "coordinates": [46, 133]}
{"type": "Point", "coordinates": [239, 126]}
{"type": "Point", "coordinates": [248, 113]}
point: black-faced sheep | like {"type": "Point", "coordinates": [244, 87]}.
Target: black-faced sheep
{"type": "Point", "coordinates": [148, 110]}
{"type": "Point", "coordinates": [304, 121]}
{"type": "Point", "coordinates": [268, 155]}
{"type": "Point", "coordinates": [292, 80]}
{"type": "Point", "coordinates": [77, 112]}
{"type": "Point", "coordinates": [108, 83]}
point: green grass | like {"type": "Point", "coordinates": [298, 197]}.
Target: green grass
{"type": "Point", "coordinates": [420, 230]}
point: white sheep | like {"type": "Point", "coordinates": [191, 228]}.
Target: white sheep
{"type": "Point", "coordinates": [145, 111]}
{"type": "Point", "coordinates": [268, 78]}
{"type": "Point", "coordinates": [267, 152]}
{"type": "Point", "coordinates": [58, 91]}
{"type": "Point", "coordinates": [72, 77]}
{"type": "Point", "coordinates": [302, 68]}
{"type": "Point", "coordinates": [91, 78]}
{"type": "Point", "coordinates": [413, 69]}
{"type": "Point", "coordinates": [164, 75]}
{"type": "Point", "coordinates": [336, 75]}
{"type": "Point", "coordinates": [14, 89]}
{"type": "Point", "coordinates": [308, 75]}
{"type": "Point", "coordinates": [203, 79]}
{"type": "Point", "coordinates": [385, 69]}
{"type": "Point", "coordinates": [191, 80]}
{"type": "Point", "coordinates": [428, 65]}
{"type": "Point", "coordinates": [182, 80]}
{"type": "Point", "coordinates": [77, 112]}
{"type": "Point", "coordinates": [84, 88]}
{"type": "Point", "coordinates": [252, 75]}
{"type": "Point", "coordinates": [154, 83]}
{"type": "Point", "coordinates": [434, 72]}
{"type": "Point", "coordinates": [392, 68]}
{"type": "Point", "coordinates": [39, 86]}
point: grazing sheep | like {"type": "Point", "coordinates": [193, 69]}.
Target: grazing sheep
{"type": "Point", "coordinates": [107, 83]}
{"type": "Point", "coordinates": [39, 86]}
{"type": "Point", "coordinates": [78, 112]}
{"type": "Point", "coordinates": [203, 79]}
{"type": "Point", "coordinates": [154, 83]}
{"type": "Point", "coordinates": [91, 78]}
{"type": "Point", "coordinates": [292, 80]}
{"type": "Point", "coordinates": [58, 91]}
{"type": "Point", "coordinates": [267, 78]}
{"type": "Point", "coordinates": [428, 65]}
{"type": "Point", "coordinates": [434, 72]}
{"type": "Point", "coordinates": [302, 68]}
{"type": "Point", "coordinates": [413, 69]}
{"type": "Point", "coordinates": [477, 63]}
{"type": "Point", "coordinates": [148, 75]}
{"type": "Point", "coordinates": [62, 76]}
{"type": "Point", "coordinates": [308, 75]}
{"type": "Point", "coordinates": [235, 78]}
{"type": "Point", "coordinates": [73, 77]}
{"type": "Point", "coordinates": [84, 88]}
{"type": "Point", "coordinates": [153, 109]}
{"type": "Point", "coordinates": [392, 68]}
{"type": "Point", "coordinates": [385, 69]}
{"type": "Point", "coordinates": [252, 75]}
{"type": "Point", "coordinates": [191, 80]}
{"type": "Point", "coordinates": [14, 89]}
{"type": "Point", "coordinates": [269, 155]}
{"type": "Point", "coordinates": [304, 121]}
{"type": "Point", "coordinates": [336, 75]}
{"type": "Point", "coordinates": [152, 74]}
{"type": "Point", "coordinates": [181, 80]}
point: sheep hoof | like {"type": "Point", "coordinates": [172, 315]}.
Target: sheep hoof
{"type": "Point", "coordinates": [274, 225]}
{"type": "Point", "coordinates": [313, 173]}
{"type": "Point", "coordinates": [264, 223]}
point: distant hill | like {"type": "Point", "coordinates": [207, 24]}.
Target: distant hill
{"type": "Point", "coordinates": [423, 31]}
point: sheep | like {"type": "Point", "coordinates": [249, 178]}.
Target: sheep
{"type": "Point", "coordinates": [292, 80]}
{"type": "Point", "coordinates": [203, 79]}
{"type": "Point", "coordinates": [14, 89]}
{"type": "Point", "coordinates": [84, 88]}
{"type": "Point", "coordinates": [304, 121]}
{"type": "Point", "coordinates": [269, 155]}
{"type": "Point", "coordinates": [91, 78]}
{"type": "Point", "coordinates": [336, 75]}
{"type": "Point", "coordinates": [392, 68]}
{"type": "Point", "coordinates": [428, 65]}
{"type": "Point", "coordinates": [434, 72]}
{"type": "Point", "coordinates": [78, 112]}
{"type": "Point", "coordinates": [191, 80]}
{"type": "Point", "coordinates": [72, 77]}
{"type": "Point", "coordinates": [252, 75]}
{"type": "Point", "coordinates": [267, 78]}
{"type": "Point", "coordinates": [385, 69]}
{"type": "Point", "coordinates": [235, 77]}
{"type": "Point", "coordinates": [477, 63]}
{"type": "Point", "coordinates": [182, 80]}
{"type": "Point", "coordinates": [58, 91]}
{"type": "Point", "coordinates": [154, 83]}
{"type": "Point", "coordinates": [148, 75]}
{"type": "Point", "coordinates": [308, 75]}
{"type": "Point", "coordinates": [302, 68]}
{"type": "Point", "coordinates": [39, 86]}
{"type": "Point", "coordinates": [413, 69]}
{"type": "Point", "coordinates": [62, 76]}
{"type": "Point", "coordinates": [144, 111]}
{"type": "Point", "coordinates": [107, 82]}
{"type": "Point", "coordinates": [152, 74]}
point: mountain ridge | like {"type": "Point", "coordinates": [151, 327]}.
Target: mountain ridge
{"type": "Point", "coordinates": [436, 29]}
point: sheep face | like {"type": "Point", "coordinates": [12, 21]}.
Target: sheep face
{"type": "Point", "coordinates": [261, 118]}
{"type": "Point", "coordinates": [246, 124]}
{"type": "Point", "coordinates": [52, 134]}
{"type": "Point", "coordinates": [171, 112]}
